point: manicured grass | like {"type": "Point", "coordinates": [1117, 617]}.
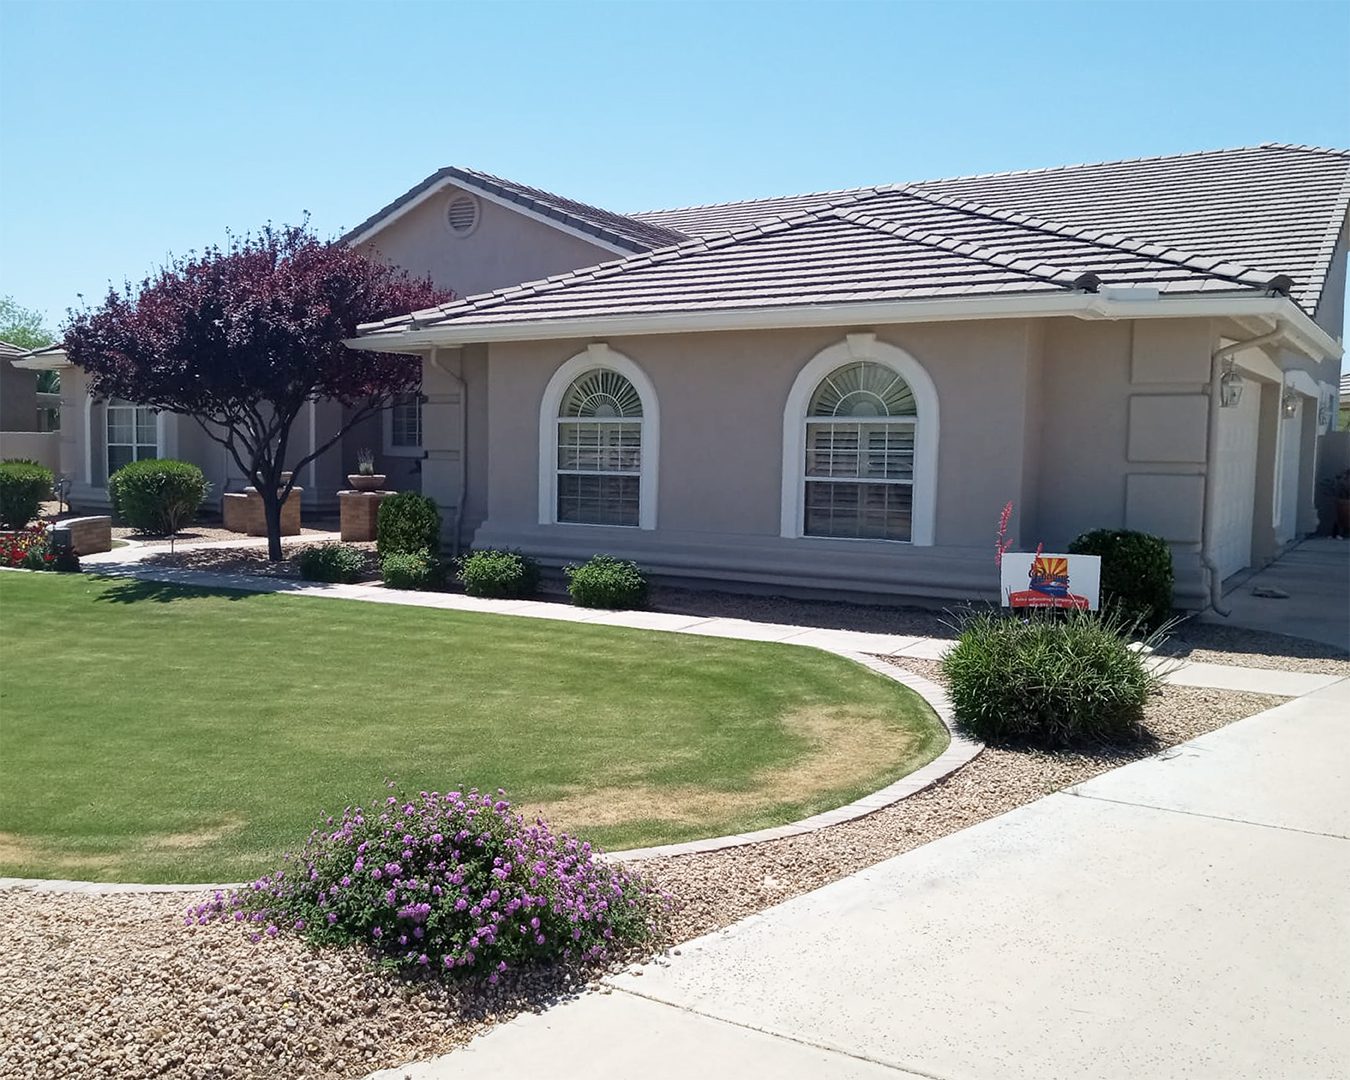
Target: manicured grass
{"type": "Point", "coordinates": [156, 733]}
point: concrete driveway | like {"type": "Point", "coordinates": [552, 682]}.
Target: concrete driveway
{"type": "Point", "coordinates": [1185, 916]}
{"type": "Point", "coordinates": [1314, 579]}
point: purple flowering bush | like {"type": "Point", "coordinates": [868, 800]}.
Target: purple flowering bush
{"type": "Point", "coordinates": [454, 883]}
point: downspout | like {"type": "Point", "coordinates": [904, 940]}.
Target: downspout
{"type": "Point", "coordinates": [1217, 361]}
{"type": "Point", "coordinates": [463, 468]}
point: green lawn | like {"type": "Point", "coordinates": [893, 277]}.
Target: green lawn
{"type": "Point", "coordinates": [156, 733]}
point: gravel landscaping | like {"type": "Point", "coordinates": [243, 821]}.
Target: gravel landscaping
{"type": "Point", "coordinates": [251, 560]}
{"type": "Point", "coordinates": [115, 985]}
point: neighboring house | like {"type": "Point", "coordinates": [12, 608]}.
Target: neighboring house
{"type": "Point", "coordinates": [26, 428]}
{"type": "Point", "coordinates": [841, 390]}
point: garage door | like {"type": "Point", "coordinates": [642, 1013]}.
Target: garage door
{"type": "Point", "coordinates": [1235, 481]}
{"type": "Point", "coordinates": [1291, 432]}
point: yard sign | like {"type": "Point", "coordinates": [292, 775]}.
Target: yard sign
{"type": "Point", "coordinates": [1051, 581]}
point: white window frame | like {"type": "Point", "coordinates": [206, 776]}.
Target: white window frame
{"type": "Point", "coordinates": [108, 444]}
{"type": "Point", "coordinates": [855, 348]}
{"type": "Point", "coordinates": [598, 355]}
{"type": "Point", "coordinates": [388, 427]}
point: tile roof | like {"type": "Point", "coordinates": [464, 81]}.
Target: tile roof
{"type": "Point", "coordinates": [7, 350]}
{"type": "Point", "coordinates": [1214, 222]}
{"type": "Point", "coordinates": [878, 244]}
{"type": "Point", "coordinates": [1276, 206]}
{"type": "Point", "coordinates": [618, 230]}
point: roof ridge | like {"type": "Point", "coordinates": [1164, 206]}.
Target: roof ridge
{"type": "Point", "coordinates": [932, 238]}
{"type": "Point", "coordinates": [1307, 147]}
{"type": "Point", "coordinates": [1107, 238]}
{"type": "Point", "coordinates": [725, 238]}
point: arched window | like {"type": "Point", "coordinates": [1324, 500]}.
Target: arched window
{"type": "Point", "coordinates": [860, 439]}
{"type": "Point", "coordinates": [133, 433]}
{"type": "Point", "coordinates": [599, 433]}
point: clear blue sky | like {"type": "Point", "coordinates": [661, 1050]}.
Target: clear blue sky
{"type": "Point", "coordinates": [130, 130]}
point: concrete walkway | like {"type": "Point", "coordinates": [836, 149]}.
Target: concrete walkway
{"type": "Point", "coordinates": [127, 561]}
{"type": "Point", "coordinates": [1314, 580]}
{"type": "Point", "coordinates": [1186, 916]}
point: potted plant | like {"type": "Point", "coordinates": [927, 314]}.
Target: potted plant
{"type": "Point", "coordinates": [1337, 487]}
{"type": "Point", "coordinates": [366, 478]}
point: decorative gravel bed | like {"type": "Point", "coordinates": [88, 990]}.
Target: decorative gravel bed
{"type": "Point", "coordinates": [194, 534]}
{"type": "Point", "coordinates": [251, 560]}
{"type": "Point", "coordinates": [116, 985]}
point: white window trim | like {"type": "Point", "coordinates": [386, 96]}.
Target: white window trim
{"type": "Point", "coordinates": [387, 424]}
{"type": "Point", "coordinates": [598, 355]}
{"type": "Point", "coordinates": [853, 348]}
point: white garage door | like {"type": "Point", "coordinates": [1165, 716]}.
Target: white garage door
{"type": "Point", "coordinates": [1286, 469]}
{"type": "Point", "coordinates": [1235, 481]}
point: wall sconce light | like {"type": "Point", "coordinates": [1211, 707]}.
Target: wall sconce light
{"type": "Point", "coordinates": [1230, 387]}
{"type": "Point", "coordinates": [1289, 404]}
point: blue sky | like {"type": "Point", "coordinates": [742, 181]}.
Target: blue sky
{"type": "Point", "coordinates": [128, 131]}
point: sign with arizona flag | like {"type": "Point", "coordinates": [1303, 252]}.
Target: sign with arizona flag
{"type": "Point", "coordinates": [1039, 580]}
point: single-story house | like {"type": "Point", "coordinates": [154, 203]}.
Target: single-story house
{"type": "Point", "coordinates": [841, 390]}
{"type": "Point", "coordinates": [28, 416]}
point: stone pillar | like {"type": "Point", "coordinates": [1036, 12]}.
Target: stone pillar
{"type": "Point", "coordinates": [359, 513]}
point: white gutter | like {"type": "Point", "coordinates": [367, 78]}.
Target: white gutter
{"type": "Point", "coordinates": [1303, 333]}
{"type": "Point", "coordinates": [1220, 355]}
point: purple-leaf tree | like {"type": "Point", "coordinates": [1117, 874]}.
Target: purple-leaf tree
{"type": "Point", "coordinates": [242, 337]}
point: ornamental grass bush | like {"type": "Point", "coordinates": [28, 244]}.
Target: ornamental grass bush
{"type": "Point", "coordinates": [411, 570]}
{"type": "Point", "coordinates": [1050, 680]}
{"type": "Point", "coordinates": [158, 495]}
{"type": "Point", "coordinates": [332, 562]}
{"type": "Point", "coordinates": [24, 485]}
{"type": "Point", "coordinates": [500, 574]}
{"type": "Point", "coordinates": [1136, 574]}
{"type": "Point", "coordinates": [407, 522]}
{"type": "Point", "coordinates": [606, 582]}
{"type": "Point", "coordinates": [454, 883]}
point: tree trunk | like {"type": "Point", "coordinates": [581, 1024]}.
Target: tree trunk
{"type": "Point", "coordinates": [272, 515]}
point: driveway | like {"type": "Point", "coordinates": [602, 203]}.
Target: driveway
{"type": "Point", "coordinates": [1314, 579]}
{"type": "Point", "coordinates": [1185, 916]}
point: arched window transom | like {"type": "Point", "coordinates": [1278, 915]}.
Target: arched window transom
{"type": "Point", "coordinates": [599, 462]}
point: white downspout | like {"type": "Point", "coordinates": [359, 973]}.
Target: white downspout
{"type": "Point", "coordinates": [1211, 453]}
{"type": "Point", "coordinates": [463, 468]}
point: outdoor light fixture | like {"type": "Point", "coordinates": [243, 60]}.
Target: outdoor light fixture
{"type": "Point", "coordinates": [1230, 387]}
{"type": "Point", "coordinates": [1289, 404]}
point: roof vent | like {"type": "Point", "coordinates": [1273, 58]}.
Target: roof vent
{"type": "Point", "coordinates": [461, 214]}
{"type": "Point", "coordinates": [1088, 282]}
{"type": "Point", "coordinates": [1279, 285]}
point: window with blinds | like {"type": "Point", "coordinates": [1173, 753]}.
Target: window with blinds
{"type": "Point", "coordinates": [133, 433]}
{"type": "Point", "coordinates": [599, 445]}
{"type": "Point", "coordinates": [859, 467]}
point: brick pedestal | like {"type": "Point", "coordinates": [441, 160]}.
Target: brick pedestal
{"type": "Point", "coordinates": [89, 534]}
{"type": "Point", "coordinates": [242, 512]}
{"type": "Point", "coordinates": [359, 513]}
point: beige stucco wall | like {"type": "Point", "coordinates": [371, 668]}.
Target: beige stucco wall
{"type": "Point", "coordinates": [506, 248]}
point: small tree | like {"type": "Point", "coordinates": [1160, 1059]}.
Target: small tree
{"type": "Point", "coordinates": [242, 338]}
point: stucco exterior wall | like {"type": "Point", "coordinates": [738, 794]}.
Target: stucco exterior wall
{"type": "Point", "coordinates": [505, 248]}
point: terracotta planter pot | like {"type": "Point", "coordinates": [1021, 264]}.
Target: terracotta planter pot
{"type": "Point", "coordinates": [366, 483]}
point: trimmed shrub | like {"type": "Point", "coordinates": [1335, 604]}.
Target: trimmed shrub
{"type": "Point", "coordinates": [408, 522]}
{"type": "Point", "coordinates": [454, 883]}
{"type": "Point", "coordinates": [23, 487]}
{"type": "Point", "coordinates": [1136, 573]}
{"type": "Point", "coordinates": [502, 574]}
{"type": "Point", "coordinates": [411, 570]}
{"type": "Point", "coordinates": [159, 495]}
{"type": "Point", "coordinates": [1048, 680]}
{"type": "Point", "coordinates": [332, 562]}
{"type": "Point", "coordinates": [606, 582]}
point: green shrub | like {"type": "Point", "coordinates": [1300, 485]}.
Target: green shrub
{"type": "Point", "coordinates": [503, 574]}
{"type": "Point", "coordinates": [411, 570]}
{"type": "Point", "coordinates": [332, 562]}
{"type": "Point", "coordinates": [607, 582]}
{"type": "Point", "coordinates": [1049, 680]}
{"type": "Point", "coordinates": [23, 487]}
{"type": "Point", "coordinates": [158, 495]}
{"type": "Point", "coordinates": [1136, 574]}
{"type": "Point", "coordinates": [408, 522]}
